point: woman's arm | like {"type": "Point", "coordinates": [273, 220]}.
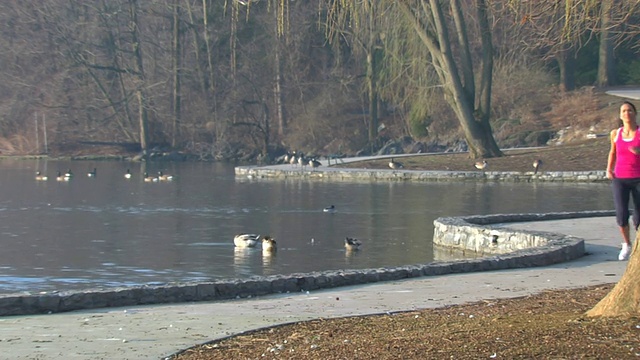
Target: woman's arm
{"type": "Point", "coordinates": [611, 161]}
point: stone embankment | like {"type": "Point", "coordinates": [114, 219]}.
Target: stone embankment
{"type": "Point", "coordinates": [346, 174]}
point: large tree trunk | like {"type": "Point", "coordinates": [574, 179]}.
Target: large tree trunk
{"type": "Point", "coordinates": [455, 76]}
{"type": "Point", "coordinates": [624, 299]}
{"type": "Point", "coordinates": [606, 74]}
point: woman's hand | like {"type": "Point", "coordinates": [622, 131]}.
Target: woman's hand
{"type": "Point", "coordinates": [610, 175]}
{"type": "Point", "coordinates": [635, 150]}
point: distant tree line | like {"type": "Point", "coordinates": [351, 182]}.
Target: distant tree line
{"type": "Point", "coordinates": [228, 79]}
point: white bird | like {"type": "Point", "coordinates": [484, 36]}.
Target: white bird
{"type": "Point", "coordinates": [127, 175]}
{"type": "Point", "coordinates": [246, 240]}
{"type": "Point", "coordinates": [481, 165]}
{"type": "Point", "coordinates": [351, 244]}
{"type": "Point", "coordinates": [536, 165]}
{"type": "Point", "coordinates": [395, 164]}
{"type": "Point", "coordinates": [301, 160]}
{"type": "Point", "coordinates": [292, 159]}
{"type": "Point", "coordinates": [268, 244]}
{"type": "Point", "coordinates": [329, 209]}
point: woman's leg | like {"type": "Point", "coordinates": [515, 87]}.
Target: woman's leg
{"type": "Point", "coordinates": [621, 202]}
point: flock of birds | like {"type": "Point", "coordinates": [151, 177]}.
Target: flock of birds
{"type": "Point", "coordinates": [482, 165]}
{"type": "Point", "coordinates": [68, 175]}
{"type": "Point", "coordinates": [297, 158]}
{"type": "Point", "coordinates": [269, 243]}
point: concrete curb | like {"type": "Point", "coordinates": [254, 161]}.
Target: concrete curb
{"type": "Point", "coordinates": [560, 248]}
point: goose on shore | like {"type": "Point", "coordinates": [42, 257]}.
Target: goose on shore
{"type": "Point", "coordinates": [536, 165]}
{"type": "Point", "coordinates": [314, 163]}
{"type": "Point", "coordinates": [395, 164]}
{"type": "Point", "coordinates": [481, 165]}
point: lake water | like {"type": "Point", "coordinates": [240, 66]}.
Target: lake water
{"type": "Point", "coordinates": [109, 231]}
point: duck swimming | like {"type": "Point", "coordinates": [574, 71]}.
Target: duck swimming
{"type": "Point", "coordinates": [127, 175]}
{"type": "Point", "coordinates": [246, 240]}
{"type": "Point", "coordinates": [148, 178]}
{"type": "Point", "coordinates": [268, 244]}
{"type": "Point", "coordinates": [41, 177]}
{"type": "Point", "coordinates": [329, 209]}
{"type": "Point", "coordinates": [351, 244]}
{"type": "Point", "coordinates": [164, 177]}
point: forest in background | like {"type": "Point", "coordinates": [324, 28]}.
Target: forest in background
{"type": "Point", "coordinates": [232, 80]}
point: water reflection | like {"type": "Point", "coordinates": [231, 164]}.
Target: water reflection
{"type": "Point", "coordinates": [111, 231]}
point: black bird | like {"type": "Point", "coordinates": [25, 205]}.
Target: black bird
{"type": "Point", "coordinates": [92, 173]}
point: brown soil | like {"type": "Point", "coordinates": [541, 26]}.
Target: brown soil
{"type": "Point", "coordinates": [550, 325]}
{"type": "Point", "coordinates": [586, 155]}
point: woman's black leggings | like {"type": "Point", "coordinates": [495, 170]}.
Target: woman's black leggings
{"type": "Point", "coordinates": [622, 189]}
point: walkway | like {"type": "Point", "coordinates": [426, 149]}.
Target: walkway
{"type": "Point", "coordinates": [154, 332]}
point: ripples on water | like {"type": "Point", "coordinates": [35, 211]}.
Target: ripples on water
{"type": "Point", "coordinates": [109, 231]}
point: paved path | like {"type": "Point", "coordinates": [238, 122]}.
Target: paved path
{"type": "Point", "coordinates": [154, 332]}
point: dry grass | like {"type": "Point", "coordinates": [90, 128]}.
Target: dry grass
{"type": "Point", "coordinates": [585, 155]}
{"type": "Point", "coordinates": [550, 325]}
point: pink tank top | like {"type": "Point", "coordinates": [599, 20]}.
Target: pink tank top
{"type": "Point", "coordinates": [627, 163]}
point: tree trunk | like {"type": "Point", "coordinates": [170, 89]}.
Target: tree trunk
{"type": "Point", "coordinates": [566, 66]}
{"type": "Point", "coordinates": [606, 75]}
{"type": "Point", "coordinates": [624, 299]}
{"type": "Point", "coordinates": [372, 80]}
{"type": "Point", "coordinates": [137, 51]}
{"type": "Point", "coordinates": [278, 93]}
{"type": "Point", "coordinates": [142, 116]}
{"type": "Point", "coordinates": [176, 72]}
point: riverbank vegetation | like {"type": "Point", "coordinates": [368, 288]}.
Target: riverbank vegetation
{"type": "Point", "coordinates": [229, 80]}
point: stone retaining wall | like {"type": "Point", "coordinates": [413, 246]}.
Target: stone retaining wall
{"type": "Point", "coordinates": [476, 235]}
{"type": "Point", "coordinates": [342, 174]}
{"type": "Point", "coordinates": [516, 249]}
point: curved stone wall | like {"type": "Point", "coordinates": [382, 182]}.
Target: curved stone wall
{"type": "Point", "coordinates": [514, 249]}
